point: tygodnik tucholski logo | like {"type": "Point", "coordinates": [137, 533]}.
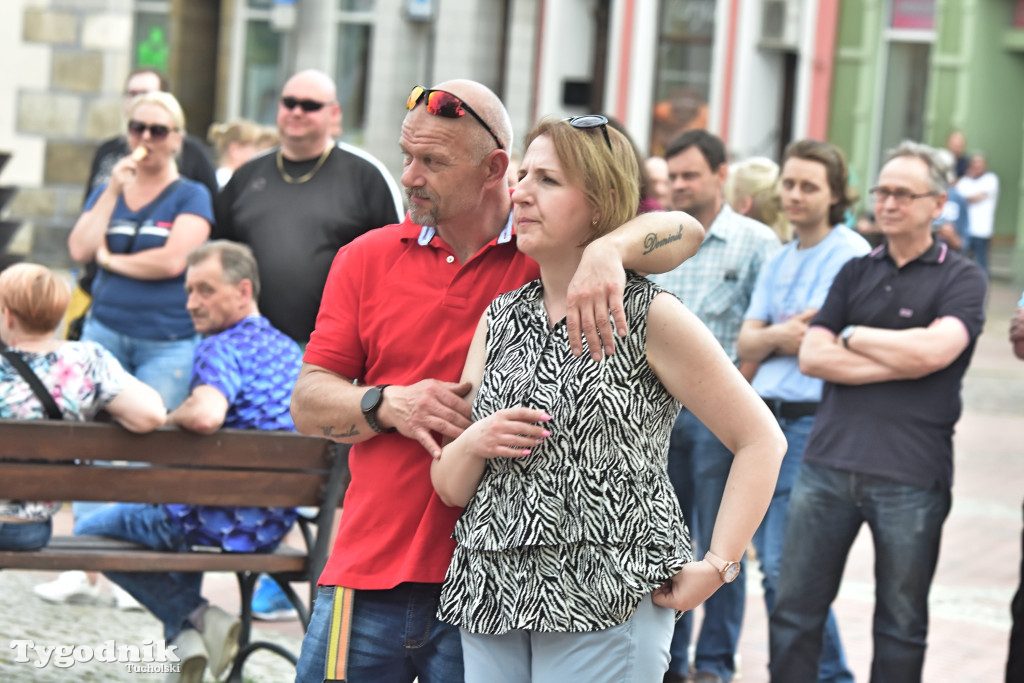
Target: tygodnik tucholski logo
{"type": "Point", "coordinates": [152, 656]}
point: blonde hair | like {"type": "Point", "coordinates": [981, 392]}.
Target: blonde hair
{"type": "Point", "coordinates": [608, 178]}
{"type": "Point", "coordinates": [757, 178]}
{"type": "Point", "coordinates": [35, 295]}
{"type": "Point", "coordinates": [243, 131]}
{"type": "Point", "coordinates": [163, 99]}
{"type": "Point", "coordinates": [267, 138]}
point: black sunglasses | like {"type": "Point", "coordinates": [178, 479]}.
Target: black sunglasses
{"type": "Point", "coordinates": [443, 103]}
{"type": "Point", "coordinates": [592, 121]}
{"type": "Point", "coordinates": [290, 103]}
{"type": "Point", "coordinates": [157, 131]}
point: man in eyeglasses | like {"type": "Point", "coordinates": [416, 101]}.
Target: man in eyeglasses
{"type": "Point", "coordinates": [790, 289]}
{"type": "Point", "coordinates": [298, 203]}
{"type": "Point", "coordinates": [892, 342]}
{"type": "Point", "coordinates": [399, 310]}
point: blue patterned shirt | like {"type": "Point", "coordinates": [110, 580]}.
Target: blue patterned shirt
{"type": "Point", "coordinates": [716, 283]}
{"type": "Point", "coordinates": [255, 366]}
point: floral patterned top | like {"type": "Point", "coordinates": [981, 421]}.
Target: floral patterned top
{"type": "Point", "coordinates": [82, 377]}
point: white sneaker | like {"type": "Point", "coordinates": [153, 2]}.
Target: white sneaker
{"type": "Point", "coordinates": [123, 599]}
{"type": "Point", "coordinates": [72, 588]}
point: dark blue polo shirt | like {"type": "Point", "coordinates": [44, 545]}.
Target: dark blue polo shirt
{"type": "Point", "coordinates": [901, 430]}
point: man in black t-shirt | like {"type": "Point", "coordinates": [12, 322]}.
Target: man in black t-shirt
{"type": "Point", "coordinates": [297, 204]}
{"type": "Point", "coordinates": [892, 342]}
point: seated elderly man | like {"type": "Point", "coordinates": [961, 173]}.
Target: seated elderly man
{"type": "Point", "coordinates": [242, 378]}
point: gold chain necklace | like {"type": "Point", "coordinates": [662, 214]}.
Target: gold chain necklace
{"type": "Point", "coordinates": [292, 180]}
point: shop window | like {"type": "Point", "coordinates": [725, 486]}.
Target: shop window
{"type": "Point", "coordinates": [683, 77]}
{"type": "Point", "coordinates": [260, 70]}
{"type": "Point", "coordinates": [352, 64]}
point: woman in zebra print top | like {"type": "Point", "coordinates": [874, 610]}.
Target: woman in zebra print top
{"type": "Point", "coordinates": [572, 550]}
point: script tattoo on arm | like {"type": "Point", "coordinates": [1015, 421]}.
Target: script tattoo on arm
{"type": "Point", "coordinates": [652, 242]}
{"type": "Point", "coordinates": [328, 431]}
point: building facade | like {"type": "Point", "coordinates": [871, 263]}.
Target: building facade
{"type": "Point", "coordinates": [861, 73]}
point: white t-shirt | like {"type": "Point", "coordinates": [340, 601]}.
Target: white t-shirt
{"type": "Point", "coordinates": [983, 211]}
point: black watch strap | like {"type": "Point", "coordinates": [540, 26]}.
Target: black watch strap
{"type": "Point", "coordinates": [370, 411]}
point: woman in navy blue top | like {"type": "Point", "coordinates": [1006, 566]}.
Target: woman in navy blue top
{"type": "Point", "coordinates": [139, 228]}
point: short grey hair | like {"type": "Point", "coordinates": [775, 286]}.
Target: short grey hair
{"type": "Point", "coordinates": [938, 171]}
{"type": "Point", "coordinates": [236, 261]}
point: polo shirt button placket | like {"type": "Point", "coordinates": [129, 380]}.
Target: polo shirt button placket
{"type": "Point", "coordinates": [450, 259]}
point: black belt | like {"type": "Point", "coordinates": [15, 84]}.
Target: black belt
{"type": "Point", "coordinates": [791, 410]}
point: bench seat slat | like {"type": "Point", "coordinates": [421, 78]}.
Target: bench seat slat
{"type": "Point", "coordinates": [151, 561]}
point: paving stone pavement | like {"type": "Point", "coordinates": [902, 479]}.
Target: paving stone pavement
{"type": "Point", "coordinates": [977, 573]}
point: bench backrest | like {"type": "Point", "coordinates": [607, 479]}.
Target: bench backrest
{"type": "Point", "coordinates": [231, 467]}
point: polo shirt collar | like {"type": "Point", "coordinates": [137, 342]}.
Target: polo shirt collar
{"type": "Point", "coordinates": [424, 234]}
{"type": "Point", "coordinates": [935, 254]}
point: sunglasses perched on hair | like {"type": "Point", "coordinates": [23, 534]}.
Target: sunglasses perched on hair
{"type": "Point", "coordinates": [443, 103]}
{"type": "Point", "coordinates": [157, 131]}
{"type": "Point", "coordinates": [290, 103]}
{"type": "Point", "coordinates": [591, 121]}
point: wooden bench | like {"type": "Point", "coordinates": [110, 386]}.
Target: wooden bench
{"type": "Point", "coordinates": [230, 467]}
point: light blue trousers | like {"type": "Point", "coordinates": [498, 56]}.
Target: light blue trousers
{"type": "Point", "coordinates": [634, 652]}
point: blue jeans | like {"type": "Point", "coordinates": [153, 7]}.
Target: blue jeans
{"type": "Point", "coordinates": [698, 465]}
{"type": "Point", "coordinates": [171, 597]}
{"type": "Point", "coordinates": [826, 511]}
{"type": "Point", "coordinates": [164, 365]}
{"type": "Point", "coordinates": [396, 637]}
{"type": "Point", "coordinates": [25, 535]}
{"type": "Point", "coordinates": [769, 539]}
{"type": "Point", "coordinates": [978, 248]}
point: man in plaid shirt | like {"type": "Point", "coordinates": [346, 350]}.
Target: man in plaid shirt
{"type": "Point", "coordinates": [716, 285]}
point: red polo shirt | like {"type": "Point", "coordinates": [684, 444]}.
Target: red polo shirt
{"type": "Point", "coordinates": [399, 308]}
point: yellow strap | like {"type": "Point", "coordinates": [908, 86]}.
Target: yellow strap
{"type": "Point", "coordinates": [338, 641]}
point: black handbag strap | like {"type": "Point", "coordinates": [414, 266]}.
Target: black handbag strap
{"type": "Point", "coordinates": [15, 359]}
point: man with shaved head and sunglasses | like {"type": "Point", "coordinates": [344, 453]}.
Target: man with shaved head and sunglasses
{"type": "Point", "coordinates": [382, 372]}
{"type": "Point", "coordinates": [298, 203]}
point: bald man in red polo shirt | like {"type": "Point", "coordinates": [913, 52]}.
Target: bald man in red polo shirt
{"type": "Point", "coordinates": [382, 367]}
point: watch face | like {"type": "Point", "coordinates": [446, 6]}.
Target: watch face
{"type": "Point", "coordinates": [370, 399]}
{"type": "Point", "coordinates": [731, 571]}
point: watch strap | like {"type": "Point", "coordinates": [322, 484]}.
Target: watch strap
{"type": "Point", "coordinates": [370, 415]}
{"type": "Point", "coordinates": [721, 565]}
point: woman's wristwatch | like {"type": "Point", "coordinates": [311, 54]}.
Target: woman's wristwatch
{"type": "Point", "coordinates": [728, 570]}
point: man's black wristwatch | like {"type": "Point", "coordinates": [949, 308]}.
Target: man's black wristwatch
{"type": "Point", "coordinates": [370, 403]}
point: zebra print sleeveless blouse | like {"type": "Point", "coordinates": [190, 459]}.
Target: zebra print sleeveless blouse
{"type": "Point", "coordinates": [571, 537]}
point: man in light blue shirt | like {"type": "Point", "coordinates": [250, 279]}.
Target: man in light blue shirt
{"type": "Point", "coordinates": [789, 291]}
{"type": "Point", "coordinates": [715, 284]}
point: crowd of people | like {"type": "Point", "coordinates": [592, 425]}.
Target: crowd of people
{"type": "Point", "coordinates": [578, 384]}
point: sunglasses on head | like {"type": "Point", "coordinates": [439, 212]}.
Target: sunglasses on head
{"type": "Point", "coordinates": [443, 103]}
{"type": "Point", "coordinates": [591, 121]}
{"type": "Point", "coordinates": [290, 103]}
{"type": "Point", "coordinates": [157, 131]}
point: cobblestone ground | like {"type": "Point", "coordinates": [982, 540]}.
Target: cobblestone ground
{"type": "Point", "coordinates": [26, 617]}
